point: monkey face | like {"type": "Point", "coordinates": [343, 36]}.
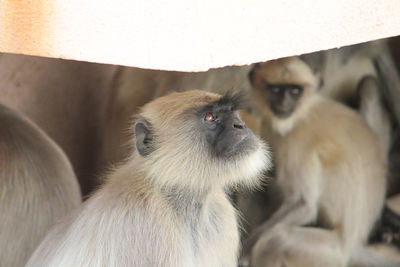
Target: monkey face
{"type": "Point", "coordinates": [195, 136]}
{"type": "Point", "coordinates": [283, 85]}
{"type": "Point", "coordinates": [283, 98]}
{"type": "Point", "coordinates": [225, 134]}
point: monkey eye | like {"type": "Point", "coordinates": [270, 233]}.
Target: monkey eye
{"type": "Point", "coordinates": [210, 117]}
{"type": "Point", "coordinates": [295, 91]}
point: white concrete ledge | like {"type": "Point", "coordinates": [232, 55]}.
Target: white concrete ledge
{"type": "Point", "coordinates": [190, 35]}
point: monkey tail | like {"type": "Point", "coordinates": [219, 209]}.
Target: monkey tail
{"type": "Point", "coordinates": [365, 258]}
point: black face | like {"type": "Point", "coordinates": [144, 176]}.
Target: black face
{"type": "Point", "coordinates": [283, 98]}
{"type": "Point", "coordinates": [225, 133]}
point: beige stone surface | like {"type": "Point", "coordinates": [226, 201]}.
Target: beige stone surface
{"type": "Point", "coordinates": [190, 35]}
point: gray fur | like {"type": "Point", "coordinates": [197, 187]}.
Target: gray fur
{"type": "Point", "coordinates": [37, 187]}
{"type": "Point", "coordinates": [167, 208]}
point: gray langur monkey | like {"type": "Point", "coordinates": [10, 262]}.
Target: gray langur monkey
{"type": "Point", "coordinates": [166, 205]}
{"type": "Point", "coordinates": [329, 167]}
{"type": "Point", "coordinates": [37, 187]}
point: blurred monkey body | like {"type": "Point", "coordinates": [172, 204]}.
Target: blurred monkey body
{"type": "Point", "coordinates": [329, 167]}
{"type": "Point", "coordinates": [37, 187]}
{"type": "Point", "coordinates": [166, 205]}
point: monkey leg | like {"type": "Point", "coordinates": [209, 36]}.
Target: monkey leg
{"type": "Point", "coordinates": [296, 246]}
{"type": "Point", "coordinates": [300, 203]}
{"type": "Point", "coordinates": [294, 211]}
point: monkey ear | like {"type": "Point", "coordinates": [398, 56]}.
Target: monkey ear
{"type": "Point", "coordinates": [318, 76]}
{"type": "Point", "coordinates": [251, 73]}
{"type": "Point", "coordinates": [143, 137]}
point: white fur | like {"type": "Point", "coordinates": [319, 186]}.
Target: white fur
{"type": "Point", "coordinates": [284, 126]}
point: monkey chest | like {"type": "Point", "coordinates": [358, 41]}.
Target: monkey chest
{"type": "Point", "coordinates": [213, 238]}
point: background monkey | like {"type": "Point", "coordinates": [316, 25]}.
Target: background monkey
{"type": "Point", "coordinates": [37, 187]}
{"type": "Point", "coordinates": [329, 167]}
{"type": "Point", "coordinates": [166, 205]}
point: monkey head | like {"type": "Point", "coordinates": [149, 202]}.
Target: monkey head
{"type": "Point", "coordinates": [283, 84]}
{"type": "Point", "coordinates": [197, 139]}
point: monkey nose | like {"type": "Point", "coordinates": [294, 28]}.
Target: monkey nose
{"type": "Point", "coordinates": [238, 124]}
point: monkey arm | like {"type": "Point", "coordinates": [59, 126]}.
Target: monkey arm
{"type": "Point", "coordinates": [301, 189]}
{"type": "Point", "coordinates": [294, 211]}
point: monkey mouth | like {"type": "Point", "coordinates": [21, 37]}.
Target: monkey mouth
{"type": "Point", "coordinates": [244, 145]}
{"type": "Point", "coordinates": [282, 113]}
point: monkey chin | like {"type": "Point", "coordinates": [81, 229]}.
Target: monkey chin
{"type": "Point", "coordinates": [246, 168]}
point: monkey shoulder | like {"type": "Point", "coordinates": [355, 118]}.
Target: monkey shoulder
{"type": "Point", "coordinates": [327, 132]}
{"type": "Point", "coordinates": [21, 139]}
{"type": "Point", "coordinates": [27, 146]}
{"type": "Point", "coordinates": [131, 223]}
{"type": "Point", "coordinates": [38, 186]}
{"type": "Point", "coordinates": [340, 122]}
{"type": "Point", "coordinates": [117, 228]}
{"type": "Point", "coordinates": [35, 167]}
{"type": "Point", "coordinates": [333, 129]}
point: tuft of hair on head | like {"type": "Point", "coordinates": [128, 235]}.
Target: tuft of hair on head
{"type": "Point", "coordinates": [235, 98]}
